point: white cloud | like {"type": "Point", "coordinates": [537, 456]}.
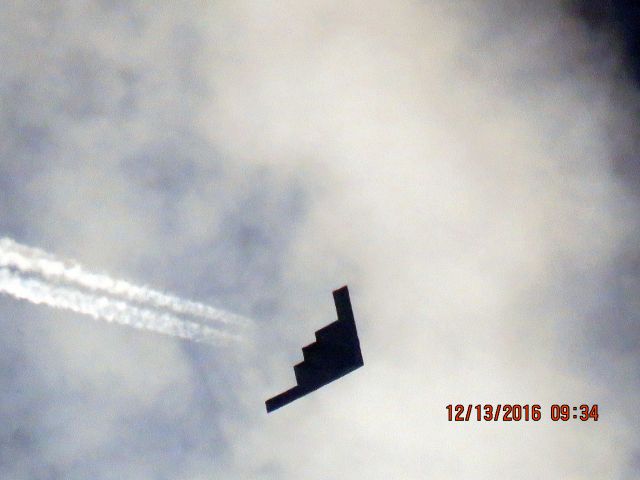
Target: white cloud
{"type": "Point", "coordinates": [463, 179]}
{"type": "Point", "coordinates": [451, 163]}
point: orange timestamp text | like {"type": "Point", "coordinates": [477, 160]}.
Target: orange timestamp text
{"type": "Point", "coordinates": [520, 412]}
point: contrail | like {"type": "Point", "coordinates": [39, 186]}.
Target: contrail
{"type": "Point", "coordinates": [33, 260]}
{"type": "Point", "coordinates": [111, 310]}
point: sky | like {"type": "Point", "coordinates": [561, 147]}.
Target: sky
{"type": "Point", "coordinates": [469, 169]}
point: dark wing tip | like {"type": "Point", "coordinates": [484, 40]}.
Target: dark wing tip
{"type": "Point", "coordinates": [341, 290]}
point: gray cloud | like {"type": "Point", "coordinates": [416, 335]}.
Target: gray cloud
{"type": "Point", "coordinates": [453, 164]}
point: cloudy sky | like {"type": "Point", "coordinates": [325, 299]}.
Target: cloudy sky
{"type": "Point", "coordinates": [468, 168]}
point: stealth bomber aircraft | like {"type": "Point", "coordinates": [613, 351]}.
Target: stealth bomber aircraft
{"type": "Point", "coordinates": [335, 353]}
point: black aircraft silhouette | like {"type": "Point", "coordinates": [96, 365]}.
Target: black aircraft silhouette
{"type": "Point", "coordinates": [335, 353]}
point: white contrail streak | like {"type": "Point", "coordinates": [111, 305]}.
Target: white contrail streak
{"type": "Point", "coordinates": [33, 260]}
{"type": "Point", "coordinates": [103, 308]}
